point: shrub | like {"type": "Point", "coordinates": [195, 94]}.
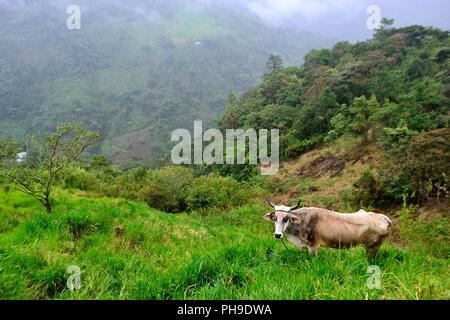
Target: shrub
{"type": "Point", "coordinates": [167, 189]}
{"type": "Point", "coordinates": [365, 192]}
{"type": "Point", "coordinates": [428, 162]}
{"type": "Point", "coordinates": [216, 191]}
{"type": "Point", "coordinates": [426, 236]}
{"type": "Point", "coordinates": [418, 164]}
{"type": "Point", "coordinates": [126, 186]}
{"type": "Point", "coordinates": [77, 178]}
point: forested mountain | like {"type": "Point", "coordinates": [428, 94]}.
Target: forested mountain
{"type": "Point", "coordinates": [392, 91]}
{"type": "Point", "coordinates": [363, 126]}
{"type": "Point", "coordinates": [135, 70]}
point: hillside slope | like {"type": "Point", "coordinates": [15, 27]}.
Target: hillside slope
{"type": "Point", "coordinates": [127, 251]}
{"type": "Point", "coordinates": [391, 94]}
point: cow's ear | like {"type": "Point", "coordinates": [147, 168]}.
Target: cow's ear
{"type": "Point", "coordinates": [294, 219]}
{"type": "Point", "coordinates": [268, 216]}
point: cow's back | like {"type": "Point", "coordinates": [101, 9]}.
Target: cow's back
{"type": "Point", "coordinates": [336, 230]}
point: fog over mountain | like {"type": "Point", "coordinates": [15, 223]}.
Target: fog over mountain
{"type": "Point", "coordinates": [136, 70]}
{"type": "Point", "coordinates": [346, 19]}
{"type": "Point", "coordinates": [340, 19]}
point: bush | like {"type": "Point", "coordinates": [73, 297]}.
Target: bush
{"type": "Point", "coordinates": [295, 147]}
{"type": "Point", "coordinates": [418, 164]}
{"type": "Point", "coordinates": [428, 163]}
{"type": "Point", "coordinates": [167, 189]}
{"type": "Point", "coordinates": [77, 178]}
{"type": "Point", "coordinates": [365, 192]}
{"type": "Point", "coordinates": [128, 185]}
{"type": "Point", "coordinates": [427, 236]}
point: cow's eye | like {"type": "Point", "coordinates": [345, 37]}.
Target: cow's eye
{"type": "Point", "coordinates": [285, 219]}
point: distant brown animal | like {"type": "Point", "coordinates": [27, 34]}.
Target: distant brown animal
{"type": "Point", "coordinates": [312, 228]}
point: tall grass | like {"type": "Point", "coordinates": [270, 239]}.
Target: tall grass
{"type": "Point", "coordinates": [127, 251]}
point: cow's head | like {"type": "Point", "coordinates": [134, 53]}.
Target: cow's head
{"type": "Point", "coordinates": [282, 216]}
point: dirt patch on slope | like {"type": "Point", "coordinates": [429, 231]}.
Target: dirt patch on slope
{"type": "Point", "coordinates": [320, 166]}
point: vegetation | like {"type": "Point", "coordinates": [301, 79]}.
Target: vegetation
{"type": "Point", "coordinates": [392, 91]}
{"type": "Point", "coordinates": [134, 75]}
{"type": "Point", "coordinates": [35, 173]}
{"type": "Point", "coordinates": [128, 251]}
{"type": "Point", "coordinates": [363, 125]}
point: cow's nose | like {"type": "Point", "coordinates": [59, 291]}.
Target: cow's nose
{"type": "Point", "coordinates": [278, 235]}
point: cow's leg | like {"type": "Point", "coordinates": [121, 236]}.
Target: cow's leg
{"type": "Point", "coordinates": [372, 251]}
{"type": "Point", "coordinates": [313, 250]}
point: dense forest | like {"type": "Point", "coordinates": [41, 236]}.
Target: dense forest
{"type": "Point", "coordinates": [135, 71]}
{"type": "Point", "coordinates": [393, 91]}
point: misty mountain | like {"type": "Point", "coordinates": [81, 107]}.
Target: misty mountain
{"type": "Point", "coordinates": [136, 70]}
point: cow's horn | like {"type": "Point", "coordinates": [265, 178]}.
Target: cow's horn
{"type": "Point", "coordinates": [269, 201]}
{"type": "Point", "coordinates": [297, 206]}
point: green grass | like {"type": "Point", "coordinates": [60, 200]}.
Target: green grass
{"type": "Point", "coordinates": [193, 25]}
{"type": "Point", "coordinates": [127, 251]}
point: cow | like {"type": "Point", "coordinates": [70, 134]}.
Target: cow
{"type": "Point", "coordinates": [312, 228]}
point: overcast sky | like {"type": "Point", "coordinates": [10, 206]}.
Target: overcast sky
{"type": "Point", "coordinates": [338, 19]}
{"type": "Point", "coordinates": [346, 19]}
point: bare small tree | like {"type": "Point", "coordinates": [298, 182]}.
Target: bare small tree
{"type": "Point", "coordinates": [35, 173]}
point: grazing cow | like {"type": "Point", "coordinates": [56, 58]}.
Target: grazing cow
{"type": "Point", "coordinates": [312, 228]}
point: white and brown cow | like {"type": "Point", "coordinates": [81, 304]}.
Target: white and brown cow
{"type": "Point", "coordinates": [312, 228]}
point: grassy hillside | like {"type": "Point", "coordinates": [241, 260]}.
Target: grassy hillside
{"type": "Point", "coordinates": [128, 251]}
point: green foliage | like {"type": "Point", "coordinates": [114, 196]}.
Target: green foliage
{"type": "Point", "coordinates": [356, 120]}
{"type": "Point", "coordinates": [126, 250]}
{"type": "Point", "coordinates": [133, 76]}
{"type": "Point", "coordinates": [166, 189]}
{"type": "Point", "coordinates": [8, 150]}
{"type": "Point", "coordinates": [425, 235]}
{"type": "Point", "coordinates": [274, 64]}
{"type": "Point", "coordinates": [175, 189]}
{"type": "Point", "coordinates": [365, 190]}
{"type": "Point", "coordinates": [402, 70]}
{"type": "Point", "coordinates": [317, 58]}
{"type": "Point", "coordinates": [79, 178]}
{"type": "Point", "coordinates": [418, 165]}
{"type": "Point", "coordinates": [218, 192]}
{"type": "Point", "coordinates": [100, 163]}
{"type": "Point", "coordinates": [35, 174]}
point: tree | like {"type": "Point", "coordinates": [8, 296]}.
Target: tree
{"type": "Point", "coordinates": [36, 173]}
{"type": "Point", "coordinates": [362, 111]}
{"type": "Point", "coordinates": [274, 64]}
{"type": "Point", "coordinates": [318, 57]}
{"type": "Point", "coordinates": [100, 163]}
{"type": "Point", "coordinates": [386, 23]}
{"type": "Point", "coordinates": [385, 29]}
{"type": "Point", "coordinates": [8, 150]}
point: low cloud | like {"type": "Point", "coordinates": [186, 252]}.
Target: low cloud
{"type": "Point", "coordinates": [346, 19]}
{"type": "Point", "coordinates": [310, 9]}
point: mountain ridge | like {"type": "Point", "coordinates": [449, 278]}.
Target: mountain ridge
{"type": "Point", "coordinates": [128, 70]}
